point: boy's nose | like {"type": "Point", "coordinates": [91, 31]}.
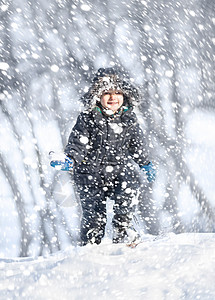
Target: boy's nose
{"type": "Point", "coordinates": [112, 95]}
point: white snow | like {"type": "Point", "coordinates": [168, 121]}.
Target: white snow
{"type": "Point", "coordinates": [85, 7]}
{"type": "Point", "coordinates": [173, 267]}
{"type": "Point", "coordinates": [128, 191]}
{"type": "Point", "coordinates": [169, 73]}
{"type": "Point", "coordinates": [4, 66]}
{"type": "Point", "coordinates": [116, 128]}
{"type": "Point", "coordinates": [4, 7]}
{"type": "Point", "coordinates": [109, 169]}
{"type": "Point", "coordinates": [54, 68]}
{"type": "Point", "coordinates": [84, 139]}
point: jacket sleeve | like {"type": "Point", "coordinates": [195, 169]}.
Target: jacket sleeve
{"type": "Point", "coordinates": [138, 148]}
{"type": "Point", "coordinates": [78, 143]}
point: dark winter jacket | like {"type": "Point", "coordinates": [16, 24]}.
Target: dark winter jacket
{"type": "Point", "coordinates": [98, 140]}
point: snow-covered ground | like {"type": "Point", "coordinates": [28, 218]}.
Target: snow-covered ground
{"type": "Point", "coordinates": [169, 268]}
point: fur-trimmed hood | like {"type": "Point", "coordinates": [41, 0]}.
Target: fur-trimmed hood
{"type": "Point", "coordinates": [110, 79]}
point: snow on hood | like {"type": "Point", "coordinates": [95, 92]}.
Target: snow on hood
{"type": "Point", "coordinates": [111, 79]}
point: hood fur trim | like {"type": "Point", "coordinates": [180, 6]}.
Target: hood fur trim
{"type": "Point", "coordinates": [110, 79]}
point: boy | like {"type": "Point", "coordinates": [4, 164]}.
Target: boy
{"type": "Point", "coordinates": [103, 147]}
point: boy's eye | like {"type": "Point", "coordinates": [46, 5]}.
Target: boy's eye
{"type": "Point", "coordinates": [110, 93]}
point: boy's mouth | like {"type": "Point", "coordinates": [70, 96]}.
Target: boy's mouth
{"type": "Point", "coordinates": [112, 102]}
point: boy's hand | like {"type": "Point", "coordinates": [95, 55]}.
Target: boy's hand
{"type": "Point", "coordinates": [150, 172]}
{"type": "Point", "coordinates": [61, 162]}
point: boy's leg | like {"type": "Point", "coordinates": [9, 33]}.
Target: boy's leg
{"type": "Point", "coordinates": [125, 198]}
{"type": "Point", "coordinates": [93, 217]}
{"type": "Point", "coordinates": [93, 212]}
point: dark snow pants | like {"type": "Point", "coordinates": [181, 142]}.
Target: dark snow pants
{"type": "Point", "coordinates": [118, 183]}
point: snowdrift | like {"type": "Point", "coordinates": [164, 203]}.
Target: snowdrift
{"type": "Point", "coordinates": [169, 267]}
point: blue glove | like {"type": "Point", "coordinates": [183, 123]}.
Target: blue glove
{"type": "Point", "coordinates": [150, 172]}
{"type": "Point", "coordinates": [65, 164]}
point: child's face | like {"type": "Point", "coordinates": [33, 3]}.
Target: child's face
{"type": "Point", "coordinates": [112, 100]}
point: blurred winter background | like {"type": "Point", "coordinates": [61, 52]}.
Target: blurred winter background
{"type": "Point", "coordinates": [50, 50]}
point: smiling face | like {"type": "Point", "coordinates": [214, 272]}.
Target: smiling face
{"type": "Point", "coordinates": [112, 99]}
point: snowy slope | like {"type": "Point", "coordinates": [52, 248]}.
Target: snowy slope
{"type": "Point", "coordinates": [173, 267]}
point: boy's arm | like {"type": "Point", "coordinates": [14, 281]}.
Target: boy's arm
{"type": "Point", "coordinates": [138, 148]}
{"type": "Point", "coordinates": [78, 143]}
